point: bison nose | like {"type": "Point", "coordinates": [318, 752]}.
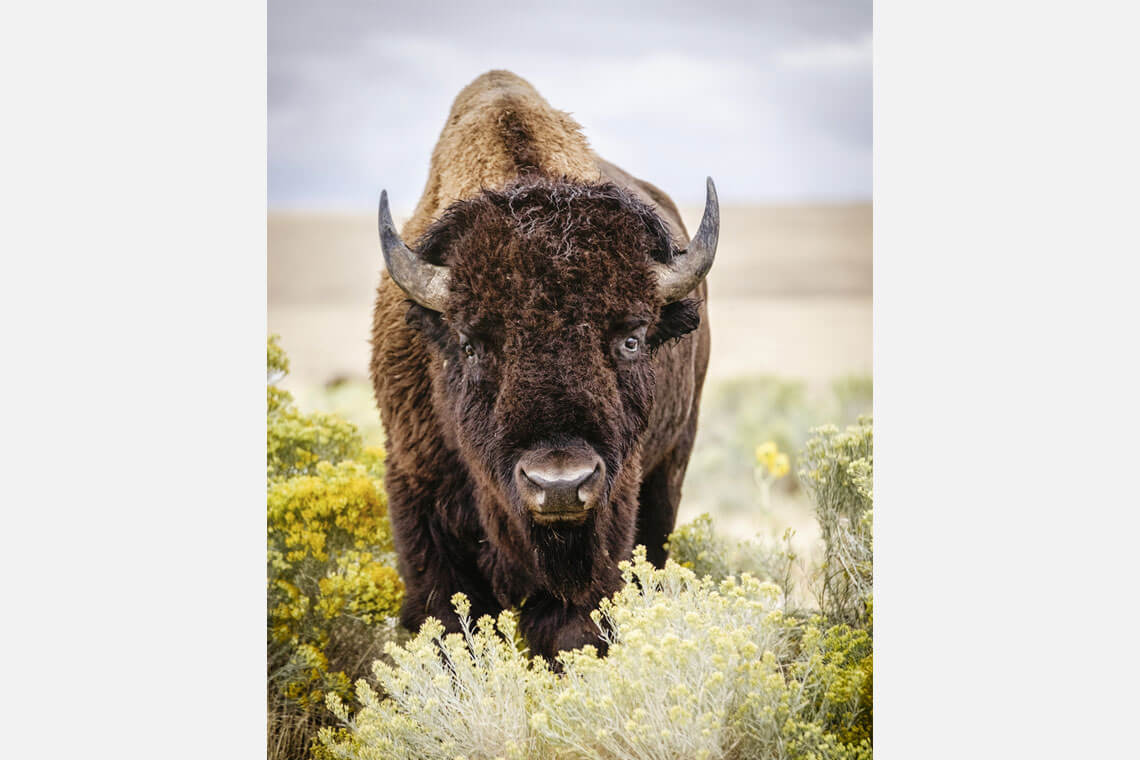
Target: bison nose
{"type": "Point", "coordinates": [560, 484]}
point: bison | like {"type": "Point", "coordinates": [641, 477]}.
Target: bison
{"type": "Point", "coordinates": [539, 343]}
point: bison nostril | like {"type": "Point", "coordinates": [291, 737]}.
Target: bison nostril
{"type": "Point", "coordinates": [559, 489]}
{"type": "Point", "coordinates": [551, 482]}
{"type": "Point", "coordinates": [563, 480]}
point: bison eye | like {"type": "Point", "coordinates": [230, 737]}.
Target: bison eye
{"type": "Point", "coordinates": [629, 347]}
{"type": "Point", "coordinates": [466, 345]}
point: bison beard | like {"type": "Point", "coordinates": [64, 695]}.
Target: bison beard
{"type": "Point", "coordinates": [520, 345]}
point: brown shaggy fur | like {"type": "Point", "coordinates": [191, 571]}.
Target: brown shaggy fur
{"type": "Point", "coordinates": [550, 249]}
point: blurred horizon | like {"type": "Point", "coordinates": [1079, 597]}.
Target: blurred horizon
{"type": "Point", "coordinates": [773, 99]}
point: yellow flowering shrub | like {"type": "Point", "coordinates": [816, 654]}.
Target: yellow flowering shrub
{"type": "Point", "coordinates": [771, 465]}
{"type": "Point", "coordinates": [774, 463]}
{"type": "Point", "coordinates": [332, 588]}
{"type": "Point", "coordinates": [330, 552]}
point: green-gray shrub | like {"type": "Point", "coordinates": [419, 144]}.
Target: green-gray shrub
{"type": "Point", "coordinates": [837, 469]}
{"type": "Point", "coordinates": [697, 546]}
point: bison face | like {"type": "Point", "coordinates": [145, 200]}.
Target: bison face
{"type": "Point", "coordinates": [543, 329]}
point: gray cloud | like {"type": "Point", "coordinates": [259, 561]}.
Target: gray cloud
{"type": "Point", "coordinates": [771, 98]}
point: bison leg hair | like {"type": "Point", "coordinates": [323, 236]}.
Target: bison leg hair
{"type": "Point", "coordinates": [552, 625]}
{"type": "Point", "coordinates": [431, 597]}
{"type": "Point", "coordinates": [660, 496]}
{"type": "Point", "coordinates": [435, 563]}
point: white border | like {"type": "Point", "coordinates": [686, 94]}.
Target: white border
{"type": "Point", "coordinates": [134, 310]}
{"type": "Point", "coordinates": [1005, 378]}
{"type": "Point", "coordinates": [133, 301]}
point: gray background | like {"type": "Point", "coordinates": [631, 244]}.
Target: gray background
{"type": "Point", "coordinates": [771, 98]}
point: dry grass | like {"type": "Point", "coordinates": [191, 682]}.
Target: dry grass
{"type": "Point", "coordinates": [290, 729]}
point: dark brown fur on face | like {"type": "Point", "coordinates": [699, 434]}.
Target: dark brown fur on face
{"type": "Point", "coordinates": [549, 277]}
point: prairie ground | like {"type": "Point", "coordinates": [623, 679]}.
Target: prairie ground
{"type": "Point", "coordinates": [790, 294]}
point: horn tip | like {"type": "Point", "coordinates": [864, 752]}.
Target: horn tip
{"type": "Point", "coordinates": [386, 222]}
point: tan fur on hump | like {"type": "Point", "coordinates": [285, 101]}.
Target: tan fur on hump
{"type": "Point", "coordinates": [473, 151]}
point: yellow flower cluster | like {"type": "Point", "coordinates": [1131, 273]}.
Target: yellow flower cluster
{"type": "Point", "coordinates": [774, 461]}
{"type": "Point", "coordinates": [341, 501]}
{"type": "Point", "coordinates": [835, 669]}
{"type": "Point", "coordinates": [362, 587]}
{"type": "Point", "coordinates": [330, 551]}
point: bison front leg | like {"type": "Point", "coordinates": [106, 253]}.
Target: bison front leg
{"type": "Point", "coordinates": [435, 542]}
{"type": "Point", "coordinates": [658, 502]}
{"type": "Point", "coordinates": [552, 625]}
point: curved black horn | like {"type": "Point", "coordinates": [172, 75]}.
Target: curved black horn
{"type": "Point", "coordinates": [677, 279]}
{"type": "Point", "coordinates": [426, 284]}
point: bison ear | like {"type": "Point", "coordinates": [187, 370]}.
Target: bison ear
{"type": "Point", "coordinates": [428, 323]}
{"type": "Point", "coordinates": [677, 320]}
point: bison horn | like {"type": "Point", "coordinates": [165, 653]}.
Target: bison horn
{"type": "Point", "coordinates": [685, 271]}
{"type": "Point", "coordinates": [425, 283]}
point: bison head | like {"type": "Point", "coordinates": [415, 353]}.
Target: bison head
{"type": "Point", "coordinates": [542, 304]}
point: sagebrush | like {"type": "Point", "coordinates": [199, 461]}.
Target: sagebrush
{"type": "Point", "coordinates": [837, 468]}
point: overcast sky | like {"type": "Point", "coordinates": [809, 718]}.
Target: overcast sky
{"type": "Point", "coordinates": [773, 99]}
